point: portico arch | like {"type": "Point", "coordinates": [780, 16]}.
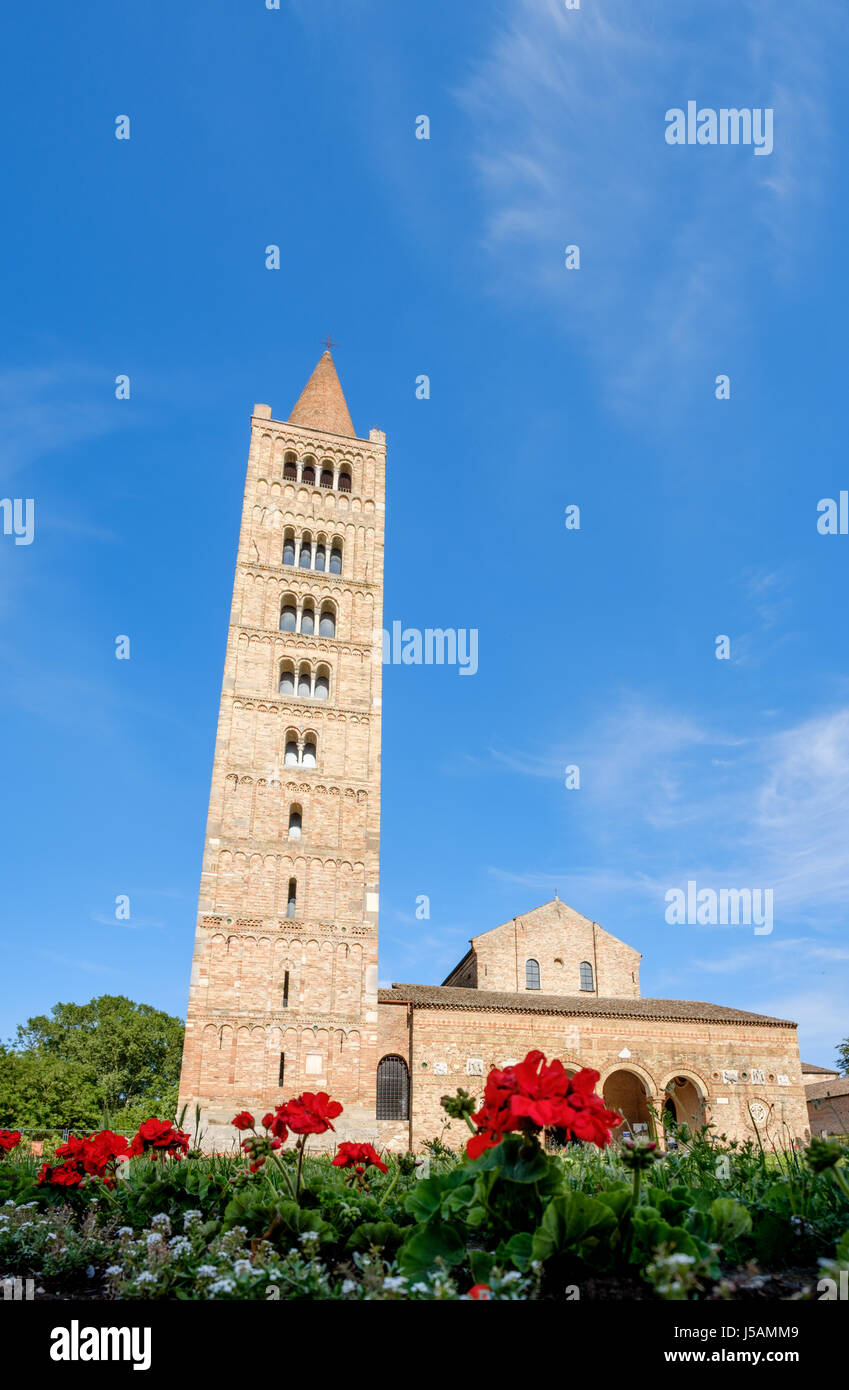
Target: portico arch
{"type": "Point", "coordinates": [628, 1090]}
{"type": "Point", "coordinates": [683, 1101]}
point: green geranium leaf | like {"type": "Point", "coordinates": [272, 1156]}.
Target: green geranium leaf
{"type": "Point", "coordinates": [435, 1241]}
{"type": "Point", "coordinates": [569, 1224]}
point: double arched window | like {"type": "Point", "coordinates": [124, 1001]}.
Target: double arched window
{"type": "Point", "coordinates": [586, 973]}
{"type": "Point", "coordinates": [300, 750]}
{"type": "Point", "coordinates": [307, 682]}
{"type": "Point", "coordinates": [531, 974]}
{"type": "Point", "coordinates": [308, 470]}
{"type": "Point", "coordinates": [393, 1089]}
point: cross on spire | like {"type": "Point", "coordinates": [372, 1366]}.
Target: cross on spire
{"type": "Point", "coordinates": [329, 343]}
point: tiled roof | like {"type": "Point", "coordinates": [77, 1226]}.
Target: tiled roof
{"type": "Point", "coordinates": [809, 1069]}
{"type": "Point", "coordinates": [822, 1090]}
{"type": "Point", "coordinates": [675, 1010]}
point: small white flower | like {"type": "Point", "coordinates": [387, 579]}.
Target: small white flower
{"type": "Point", "coordinates": [207, 1271]}
{"type": "Point", "coordinates": [242, 1267]}
{"type": "Point", "coordinates": [308, 1236]}
{"type": "Point", "coordinates": [191, 1218]}
{"type": "Point", "coordinates": [348, 1286]}
{"type": "Point", "coordinates": [153, 1238]}
{"type": "Point", "coordinates": [146, 1277]}
{"type": "Point", "coordinates": [510, 1277]}
{"type": "Point", "coordinates": [161, 1222]}
{"type": "Point", "coordinates": [419, 1288]}
{"type": "Point", "coordinates": [115, 1269]}
{"type": "Point", "coordinates": [394, 1282]}
{"type": "Point", "coordinates": [680, 1259]}
{"type": "Point", "coordinates": [125, 1231]}
{"type": "Point", "coordinates": [220, 1286]}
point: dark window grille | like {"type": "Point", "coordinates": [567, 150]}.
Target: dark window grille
{"type": "Point", "coordinates": [281, 1075]}
{"type": "Point", "coordinates": [285, 997]}
{"type": "Point", "coordinates": [531, 974]}
{"type": "Point", "coordinates": [344, 482]}
{"type": "Point", "coordinates": [586, 975]}
{"type": "Point", "coordinates": [393, 1089]}
{"type": "Point", "coordinates": [290, 470]}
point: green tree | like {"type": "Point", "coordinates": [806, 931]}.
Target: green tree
{"type": "Point", "coordinates": [40, 1092]}
{"type": "Point", "coordinates": [128, 1053]}
{"type": "Point", "coordinates": [843, 1056]}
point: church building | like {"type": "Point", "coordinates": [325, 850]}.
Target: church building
{"type": "Point", "coordinates": [284, 990]}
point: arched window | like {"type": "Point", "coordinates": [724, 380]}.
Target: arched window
{"type": "Point", "coordinates": [320, 557]}
{"type": "Point", "coordinates": [308, 622]}
{"type": "Point", "coordinates": [292, 898]}
{"type": "Point", "coordinates": [344, 482]}
{"type": "Point", "coordinates": [304, 682]}
{"type": "Point", "coordinates": [393, 1089]}
{"type": "Point", "coordinates": [288, 617]}
{"type": "Point", "coordinates": [308, 474]}
{"type": "Point", "coordinates": [531, 974]}
{"type": "Point", "coordinates": [327, 477]}
{"type": "Point", "coordinates": [322, 685]}
{"type": "Point", "coordinates": [336, 558]}
{"type": "Point", "coordinates": [308, 759]}
{"type": "Point", "coordinates": [290, 758]}
{"type": "Point", "coordinates": [287, 679]}
{"type": "Point", "coordinates": [305, 557]}
{"type": "Point", "coordinates": [586, 971]}
{"type": "Point", "coordinates": [295, 823]}
{"type": "Point", "coordinates": [289, 550]}
{"type": "Point", "coordinates": [327, 623]}
{"type": "Point", "coordinates": [290, 466]}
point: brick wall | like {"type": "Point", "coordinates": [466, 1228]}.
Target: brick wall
{"type": "Point", "coordinates": [447, 1043]}
{"type": "Point", "coordinates": [559, 939]}
{"type": "Point", "coordinates": [270, 976]}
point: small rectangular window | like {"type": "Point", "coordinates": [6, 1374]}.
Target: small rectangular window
{"type": "Point", "coordinates": [286, 990]}
{"type": "Point", "coordinates": [281, 1075]}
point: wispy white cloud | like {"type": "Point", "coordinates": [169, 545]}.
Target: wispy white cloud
{"type": "Point", "coordinates": [568, 110]}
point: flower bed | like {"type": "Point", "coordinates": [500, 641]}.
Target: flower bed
{"type": "Point", "coordinates": [152, 1217]}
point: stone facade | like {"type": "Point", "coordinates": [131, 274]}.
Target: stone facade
{"type": "Point", "coordinates": [284, 995]}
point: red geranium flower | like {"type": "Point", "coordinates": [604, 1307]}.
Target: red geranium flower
{"type": "Point", "coordinates": [244, 1120]}
{"type": "Point", "coordinates": [94, 1155]}
{"type": "Point", "coordinates": [359, 1157]}
{"type": "Point", "coordinates": [482, 1291]}
{"type": "Point", "coordinates": [158, 1138]}
{"type": "Point", "coordinates": [9, 1139]}
{"type": "Point", "coordinates": [536, 1095]}
{"type": "Point", "coordinates": [311, 1113]}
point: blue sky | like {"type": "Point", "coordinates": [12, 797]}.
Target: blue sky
{"type": "Point", "coordinates": [549, 388]}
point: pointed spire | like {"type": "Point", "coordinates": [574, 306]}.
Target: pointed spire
{"type": "Point", "coordinates": [321, 405]}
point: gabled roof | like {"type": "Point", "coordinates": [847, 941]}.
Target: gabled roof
{"type": "Point", "coordinates": [322, 405]}
{"type": "Point", "coordinates": [809, 1068]}
{"type": "Point", "coordinates": [523, 916]}
{"type": "Point", "coordinates": [529, 1002]}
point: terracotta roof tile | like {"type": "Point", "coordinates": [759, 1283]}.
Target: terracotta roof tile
{"type": "Point", "coordinates": [322, 405]}
{"type": "Point", "coordinates": [676, 1010]}
{"type": "Point", "coordinates": [821, 1090]}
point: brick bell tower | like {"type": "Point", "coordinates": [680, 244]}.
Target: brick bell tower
{"type": "Point", "coordinates": [283, 993]}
